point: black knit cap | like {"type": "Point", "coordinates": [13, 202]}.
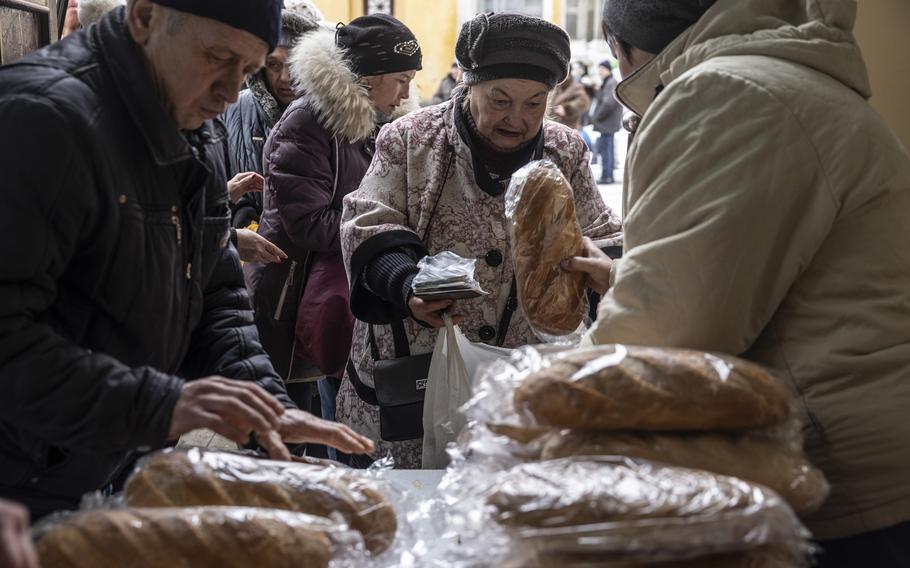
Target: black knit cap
{"type": "Point", "coordinates": [651, 25]}
{"type": "Point", "coordinates": [262, 18]}
{"type": "Point", "coordinates": [379, 44]}
{"type": "Point", "coordinates": [512, 46]}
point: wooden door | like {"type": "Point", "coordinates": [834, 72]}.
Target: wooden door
{"type": "Point", "coordinates": [25, 25]}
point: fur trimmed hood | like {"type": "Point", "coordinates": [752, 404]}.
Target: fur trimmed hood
{"type": "Point", "coordinates": [90, 11]}
{"type": "Point", "coordinates": [322, 75]}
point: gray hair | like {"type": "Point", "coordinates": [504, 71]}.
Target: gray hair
{"type": "Point", "coordinates": [91, 11]}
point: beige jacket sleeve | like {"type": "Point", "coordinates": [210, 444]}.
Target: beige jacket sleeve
{"type": "Point", "coordinates": [727, 204]}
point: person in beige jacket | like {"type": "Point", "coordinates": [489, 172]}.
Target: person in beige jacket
{"type": "Point", "coordinates": [767, 215]}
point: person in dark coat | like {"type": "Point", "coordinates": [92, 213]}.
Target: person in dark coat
{"type": "Point", "coordinates": [316, 154]}
{"type": "Point", "coordinates": [124, 321]}
{"type": "Point", "coordinates": [446, 85]}
{"type": "Point", "coordinates": [249, 121]}
{"type": "Point", "coordinates": [570, 103]}
{"type": "Point", "coordinates": [607, 119]}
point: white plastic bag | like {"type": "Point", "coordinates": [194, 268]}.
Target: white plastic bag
{"type": "Point", "coordinates": [450, 383]}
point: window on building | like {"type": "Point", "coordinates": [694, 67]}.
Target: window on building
{"type": "Point", "coordinates": [582, 19]}
{"type": "Point", "coordinates": [25, 25]}
{"type": "Point", "coordinates": [377, 6]}
{"type": "Point", "coordinates": [529, 7]}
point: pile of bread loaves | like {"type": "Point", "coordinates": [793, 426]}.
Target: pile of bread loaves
{"type": "Point", "coordinates": [196, 508]}
{"type": "Point", "coordinates": [638, 456]}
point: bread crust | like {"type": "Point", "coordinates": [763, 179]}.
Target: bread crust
{"type": "Point", "coordinates": [752, 457]}
{"type": "Point", "coordinates": [545, 231]}
{"type": "Point", "coordinates": [637, 510]}
{"type": "Point", "coordinates": [643, 388]}
{"type": "Point", "coordinates": [207, 537]}
{"type": "Point", "coordinates": [199, 478]}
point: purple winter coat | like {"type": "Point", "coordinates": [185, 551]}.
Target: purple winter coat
{"type": "Point", "coordinates": [308, 171]}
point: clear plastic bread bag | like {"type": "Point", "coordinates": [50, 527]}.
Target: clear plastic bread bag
{"type": "Point", "coordinates": [544, 231]}
{"type": "Point", "coordinates": [614, 507]}
{"type": "Point", "coordinates": [196, 477]}
{"type": "Point", "coordinates": [586, 511]}
{"type": "Point", "coordinates": [624, 387]}
{"type": "Point", "coordinates": [507, 404]}
{"type": "Point", "coordinates": [197, 537]}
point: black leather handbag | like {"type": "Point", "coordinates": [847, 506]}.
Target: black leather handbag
{"type": "Point", "coordinates": [400, 386]}
{"type": "Point", "coordinates": [401, 383]}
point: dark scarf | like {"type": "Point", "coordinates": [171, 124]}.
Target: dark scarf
{"type": "Point", "coordinates": [493, 168]}
{"type": "Point", "coordinates": [268, 103]}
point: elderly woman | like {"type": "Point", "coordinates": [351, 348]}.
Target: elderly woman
{"type": "Point", "coordinates": [436, 184]}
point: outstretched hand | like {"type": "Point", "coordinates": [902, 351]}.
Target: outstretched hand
{"type": "Point", "coordinates": [253, 247]}
{"type": "Point", "coordinates": [244, 183]}
{"type": "Point", "coordinates": [298, 427]}
{"type": "Point", "coordinates": [16, 550]}
{"type": "Point", "coordinates": [233, 409]}
{"type": "Point", "coordinates": [596, 264]}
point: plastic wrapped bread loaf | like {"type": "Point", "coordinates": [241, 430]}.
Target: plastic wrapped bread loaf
{"type": "Point", "coordinates": [615, 387]}
{"type": "Point", "coordinates": [750, 457]}
{"type": "Point", "coordinates": [206, 537]}
{"type": "Point", "coordinates": [637, 510]}
{"type": "Point", "coordinates": [540, 206]}
{"type": "Point", "coordinates": [195, 477]}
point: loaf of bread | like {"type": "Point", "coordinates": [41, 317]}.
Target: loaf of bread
{"type": "Point", "coordinates": [545, 231]}
{"type": "Point", "coordinates": [633, 507]}
{"type": "Point", "coordinates": [750, 457]}
{"type": "Point", "coordinates": [207, 537]}
{"type": "Point", "coordinates": [520, 434]}
{"type": "Point", "coordinates": [615, 387]}
{"type": "Point", "coordinates": [195, 477]}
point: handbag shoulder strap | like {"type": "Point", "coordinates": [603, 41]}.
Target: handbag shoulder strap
{"type": "Point", "coordinates": [366, 394]}
{"type": "Point", "coordinates": [400, 337]}
{"type": "Point", "coordinates": [402, 349]}
{"type": "Point", "coordinates": [506, 319]}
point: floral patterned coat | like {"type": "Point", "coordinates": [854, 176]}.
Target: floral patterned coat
{"type": "Point", "coordinates": [423, 171]}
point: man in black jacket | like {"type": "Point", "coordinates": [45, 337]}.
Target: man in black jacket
{"type": "Point", "coordinates": [122, 307]}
